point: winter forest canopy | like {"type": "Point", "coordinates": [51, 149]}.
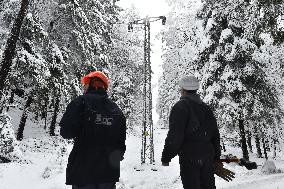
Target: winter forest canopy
{"type": "Point", "coordinates": [236, 50]}
{"type": "Point", "coordinates": [234, 47]}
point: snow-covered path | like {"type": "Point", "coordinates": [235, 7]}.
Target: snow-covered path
{"type": "Point", "coordinates": [49, 165]}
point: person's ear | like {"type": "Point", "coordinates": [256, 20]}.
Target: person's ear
{"type": "Point", "coordinates": [181, 92]}
{"type": "Point", "coordinates": [86, 87]}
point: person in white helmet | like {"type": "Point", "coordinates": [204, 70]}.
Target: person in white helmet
{"type": "Point", "coordinates": [194, 136]}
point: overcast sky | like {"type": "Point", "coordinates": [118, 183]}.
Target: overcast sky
{"type": "Point", "coordinates": [147, 7]}
{"type": "Point", "coordinates": [151, 8]}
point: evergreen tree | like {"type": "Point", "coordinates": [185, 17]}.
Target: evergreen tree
{"type": "Point", "coordinates": [233, 82]}
{"type": "Point", "coordinates": [126, 65]}
{"type": "Point", "coordinates": [10, 49]}
{"type": "Point", "coordinates": [182, 43]}
{"type": "Point", "coordinates": [58, 43]}
{"type": "Point", "coordinates": [227, 55]}
{"type": "Point", "coordinates": [9, 147]}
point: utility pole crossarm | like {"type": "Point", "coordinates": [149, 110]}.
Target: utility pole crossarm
{"type": "Point", "coordinates": [145, 20]}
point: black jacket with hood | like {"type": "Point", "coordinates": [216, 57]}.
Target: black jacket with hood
{"type": "Point", "coordinates": [98, 128]}
{"type": "Point", "coordinates": [193, 132]}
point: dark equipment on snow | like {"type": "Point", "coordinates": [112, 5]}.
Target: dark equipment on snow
{"type": "Point", "coordinates": [242, 162]}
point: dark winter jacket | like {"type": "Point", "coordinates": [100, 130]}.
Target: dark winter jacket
{"type": "Point", "coordinates": [98, 127]}
{"type": "Point", "coordinates": [193, 132]}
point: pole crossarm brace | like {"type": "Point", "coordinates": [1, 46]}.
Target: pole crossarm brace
{"type": "Point", "coordinates": [145, 20]}
{"type": "Point", "coordinates": [147, 151]}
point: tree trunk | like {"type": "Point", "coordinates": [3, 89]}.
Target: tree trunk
{"type": "Point", "coordinates": [1, 3]}
{"type": "Point", "coordinates": [243, 139]}
{"type": "Point", "coordinates": [44, 113]}
{"type": "Point", "coordinates": [54, 117]}
{"type": "Point", "coordinates": [275, 148]}
{"type": "Point", "coordinates": [268, 149]}
{"type": "Point", "coordinates": [223, 146]}
{"type": "Point", "coordinates": [24, 118]}
{"type": "Point", "coordinates": [264, 147]}
{"type": "Point", "coordinates": [10, 48]}
{"type": "Point", "coordinates": [11, 100]}
{"type": "Point", "coordinates": [249, 141]}
{"type": "Point", "coordinates": [257, 144]}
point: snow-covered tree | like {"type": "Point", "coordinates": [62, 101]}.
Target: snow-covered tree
{"type": "Point", "coordinates": [83, 27]}
{"type": "Point", "coordinates": [10, 47]}
{"type": "Point", "coordinates": [126, 65]}
{"type": "Point", "coordinates": [233, 81]}
{"type": "Point", "coordinates": [59, 42]}
{"type": "Point", "coordinates": [9, 148]}
{"type": "Point", "coordinates": [226, 54]}
{"type": "Point", "coordinates": [183, 38]}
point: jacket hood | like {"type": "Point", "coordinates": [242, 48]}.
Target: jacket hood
{"type": "Point", "coordinates": [193, 97]}
{"type": "Point", "coordinates": [95, 97]}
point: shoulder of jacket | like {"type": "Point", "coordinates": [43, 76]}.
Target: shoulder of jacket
{"type": "Point", "coordinates": [78, 100]}
{"type": "Point", "coordinates": [115, 106]}
{"type": "Point", "coordinates": [186, 103]}
{"type": "Point", "coordinates": [181, 104]}
{"type": "Point", "coordinates": [209, 109]}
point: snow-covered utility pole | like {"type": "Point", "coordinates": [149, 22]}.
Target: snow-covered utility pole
{"type": "Point", "coordinates": [147, 151]}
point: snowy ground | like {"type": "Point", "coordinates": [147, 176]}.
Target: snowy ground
{"type": "Point", "coordinates": [168, 177]}
{"type": "Point", "coordinates": [46, 169]}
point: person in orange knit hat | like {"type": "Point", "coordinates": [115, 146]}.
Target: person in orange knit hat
{"type": "Point", "coordinates": [98, 128]}
{"type": "Point", "coordinates": [97, 79]}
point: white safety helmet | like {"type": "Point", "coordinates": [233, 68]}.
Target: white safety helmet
{"type": "Point", "coordinates": [189, 83]}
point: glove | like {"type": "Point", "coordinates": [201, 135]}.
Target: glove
{"type": "Point", "coordinates": [165, 164]}
{"type": "Point", "coordinates": [222, 172]}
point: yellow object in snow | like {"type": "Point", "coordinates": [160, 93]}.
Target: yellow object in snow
{"type": "Point", "coordinates": [146, 133]}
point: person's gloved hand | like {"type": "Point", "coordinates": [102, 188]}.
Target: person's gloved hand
{"type": "Point", "coordinates": [165, 164]}
{"type": "Point", "coordinates": [222, 172]}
